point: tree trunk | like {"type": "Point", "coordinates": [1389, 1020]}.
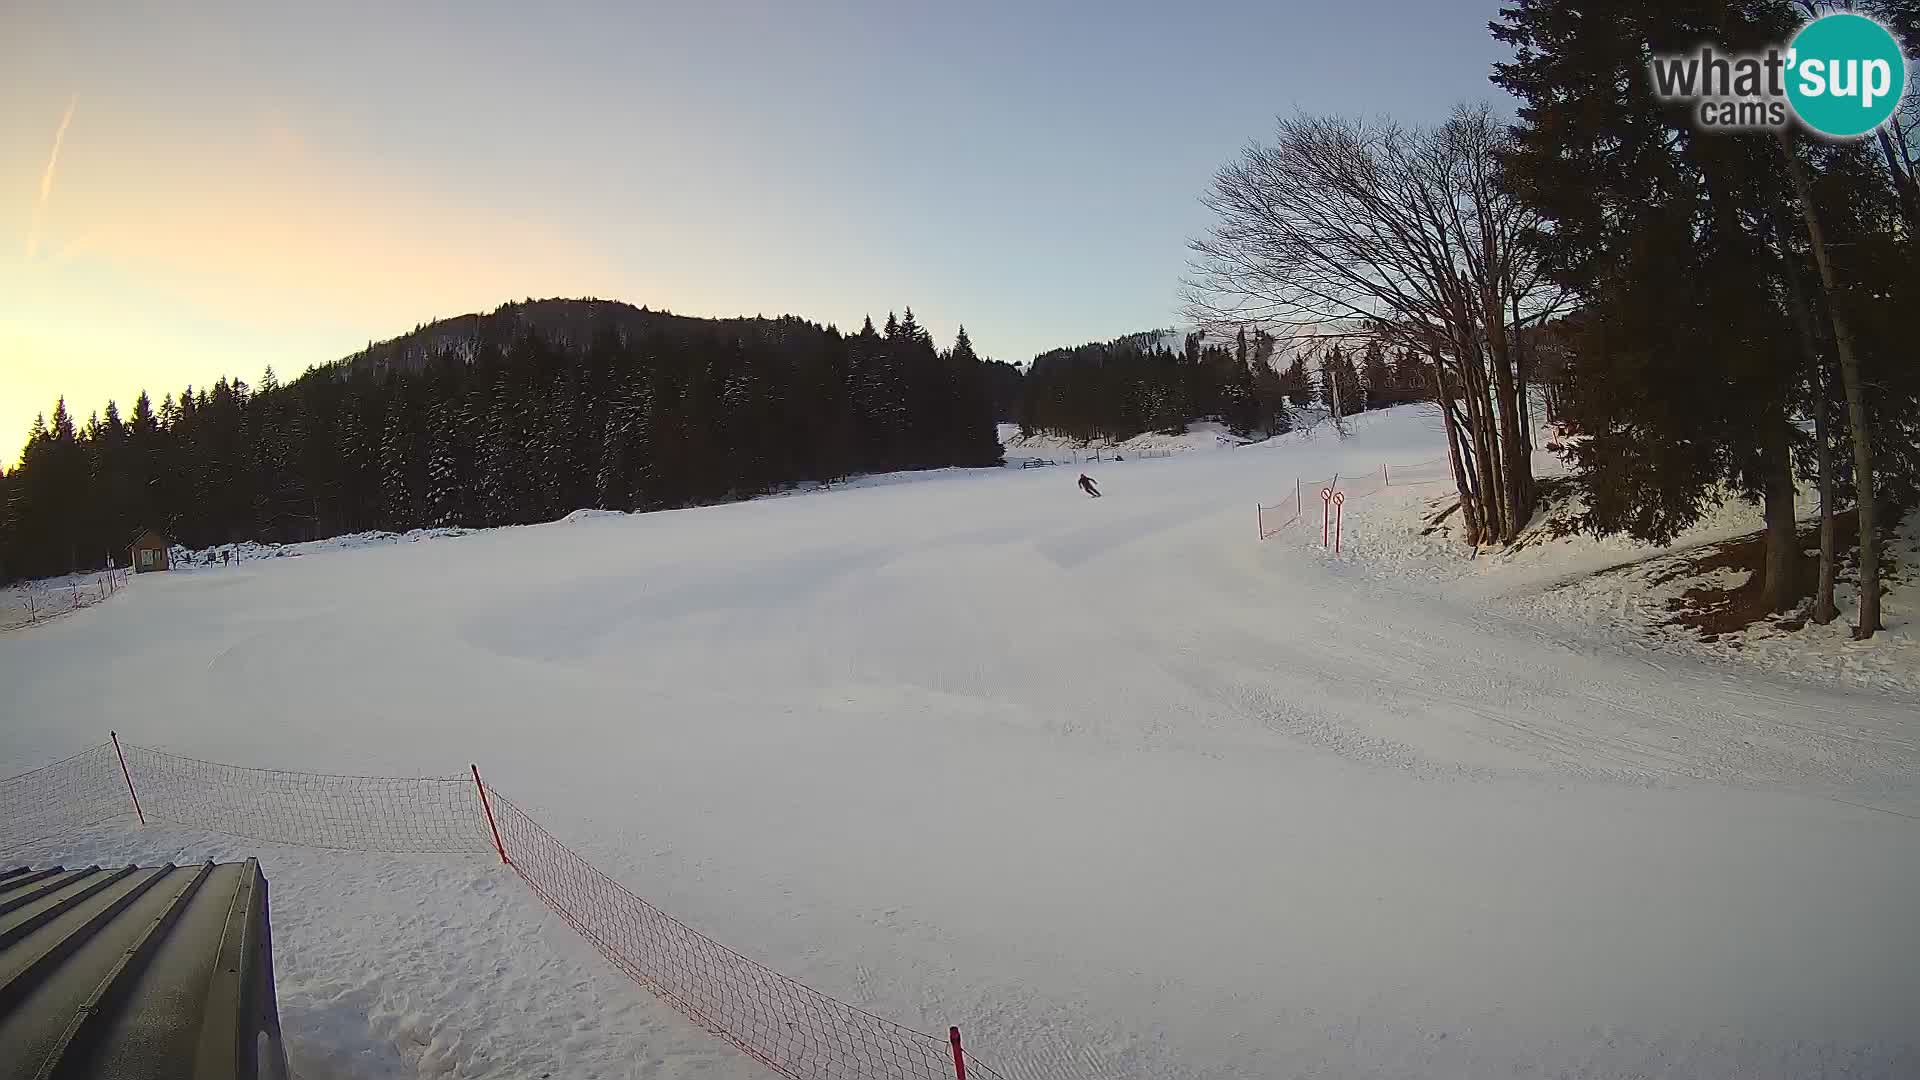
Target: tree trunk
{"type": "Point", "coordinates": [1823, 610]}
{"type": "Point", "coordinates": [1462, 475]}
{"type": "Point", "coordinates": [1861, 431]}
{"type": "Point", "coordinates": [1527, 431]}
{"type": "Point", "coordinates": [1516, 471]}
{"type": "Point", "coordinates": [1481, 435]}
{"type": "Point", "coordinates": [1339, 413]}
{"type": "Point", "coordinates": [1781, 586]}
{"type": "Point", "coordinates": [1903, 183]}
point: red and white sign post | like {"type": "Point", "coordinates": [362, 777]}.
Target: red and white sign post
{"type": "Point", "coordinates": [1339, 499]}
{"type": "Point", "coordinates": [1326, 513]}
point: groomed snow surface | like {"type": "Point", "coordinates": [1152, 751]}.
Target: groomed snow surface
{"type": "Point", "coordinates": [1109, 784]}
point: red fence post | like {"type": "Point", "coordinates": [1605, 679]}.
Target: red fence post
{"type": "Point", "coordinates": [488, 807]}
{"type": "Point", "coordinates": [959, 1060]}
{"type": "Point", "coordinates": [137, 812]}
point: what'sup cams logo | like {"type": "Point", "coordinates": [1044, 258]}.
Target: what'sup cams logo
{"type": "Point", "coordinates": [1842, 75]}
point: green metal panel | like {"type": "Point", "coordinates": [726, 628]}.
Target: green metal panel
{"type": "Point", "coordinates": [131, 974]}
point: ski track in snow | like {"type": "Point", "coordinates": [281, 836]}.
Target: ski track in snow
{"type": "Point", "coordinates": [1114, 788]}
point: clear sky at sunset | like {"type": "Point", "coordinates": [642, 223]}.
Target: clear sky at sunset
{"type": "Point", "coordinates": [245, 185]}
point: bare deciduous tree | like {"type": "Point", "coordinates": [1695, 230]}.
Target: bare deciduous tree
{"type": "Point", "coordinates": [1344, 227]}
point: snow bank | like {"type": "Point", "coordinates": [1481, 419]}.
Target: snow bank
{"type": "Point", "coordinates": [1201, 435]}
{"type": "Point", "coordinates": [183, 558]}
{"type": "Point", "coordinates": [1634, 606]}
{"type": "Point", "coordinates": [591, 514]}
{"type": "Point", "coordinates": [1618, 590]}
{"type": "Point", "coordinates": [30, 602]}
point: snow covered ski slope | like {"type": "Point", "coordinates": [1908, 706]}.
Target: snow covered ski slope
{"type": "Point", "coordinates": [1108, 783]}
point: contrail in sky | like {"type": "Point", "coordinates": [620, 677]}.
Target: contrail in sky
{"type": "Point", "coordinates": [46, 178]}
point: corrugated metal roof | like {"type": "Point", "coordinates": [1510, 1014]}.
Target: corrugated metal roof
{"type": "Point", "coordinates": [136, 973]}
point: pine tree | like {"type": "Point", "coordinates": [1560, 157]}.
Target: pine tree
{"type": "Point", "coordinates": [1685, 368]}
{"type": "Point", "coordinates": [1298, 384]}
{"type": "Point", "coordinates": [1269, 387]}
{"type": "Point", "coordinates": [879, 398]}
{"type": "Point", "coordinates": [911, 330]}
{"type": "Point", "coordinates": [1409, 373]}
{"type": "Point", "coordinates": [359, 460]}
{"type": "Point", "coordinates": [970, 421]}
{"type": "Point", "coordinates": [501, 458]}
{"type": "Point", "coordinates": [396, 467]}
{"type": "Point", "coordinates": [1376, 379]}
{"type": "Point", "coordinates": [612, 482]}
{"type": "Point", "coordinates": [446, 487]}
{"type": "Point", "coordinates": [62, 491]}
{"type": "Point", "coordinates": [1337, 371]}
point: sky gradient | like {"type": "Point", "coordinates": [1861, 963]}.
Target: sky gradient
{"type": "Point", "coordinates": [252, 185]}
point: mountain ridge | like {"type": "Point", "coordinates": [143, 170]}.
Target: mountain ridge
{"type": "Point", "coordinates": [564, 321]}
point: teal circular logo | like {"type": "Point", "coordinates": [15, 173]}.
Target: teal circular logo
{"type": "Point", "coordinates": [1845, 75]}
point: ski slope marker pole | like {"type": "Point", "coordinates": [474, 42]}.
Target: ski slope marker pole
{"type": "Point", "coordinates": [488, 807]}
{"type": "Point", "coordinates": [137, 812]}
{"type": "Point", "coordinates": [959, 1059]}
{"type": "Point", "coordinates": [1326, 513]}
{"type": "Point", "coordinates": [1339, 500]}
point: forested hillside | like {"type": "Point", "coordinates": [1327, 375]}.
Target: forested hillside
{"type": "Point", "coordinates": [1118, 389]}
{"type": "Point", "coordinates": [513, 417]}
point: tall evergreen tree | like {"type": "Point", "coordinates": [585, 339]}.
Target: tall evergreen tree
{"type": "Point", "coordinates": [1299, 384]}
{"type": "Point", "coordinates": [397, 491]}
{"type": "Point", "coordinates": [1376, 378]}
{"type": "Point", "coordinates": [1409, 374]}
{"type": "Point", "coordinates": [446, 481]}
{"type": "Point", "coordinates": [1340, 381]}
{"type": "Point", "coordinates": [1686, 376]}
{"type": "Point", "coordinates": [972, 439]}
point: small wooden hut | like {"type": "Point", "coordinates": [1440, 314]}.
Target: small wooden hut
{"type": "Point", "coordinates": [149, 551]}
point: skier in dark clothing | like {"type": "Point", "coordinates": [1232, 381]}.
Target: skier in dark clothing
{"type": "Point", "coordinates": [1086, 485]}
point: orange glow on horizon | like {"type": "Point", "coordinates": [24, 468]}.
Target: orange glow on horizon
{"type": "Point", "coordinates": [290, 254]}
